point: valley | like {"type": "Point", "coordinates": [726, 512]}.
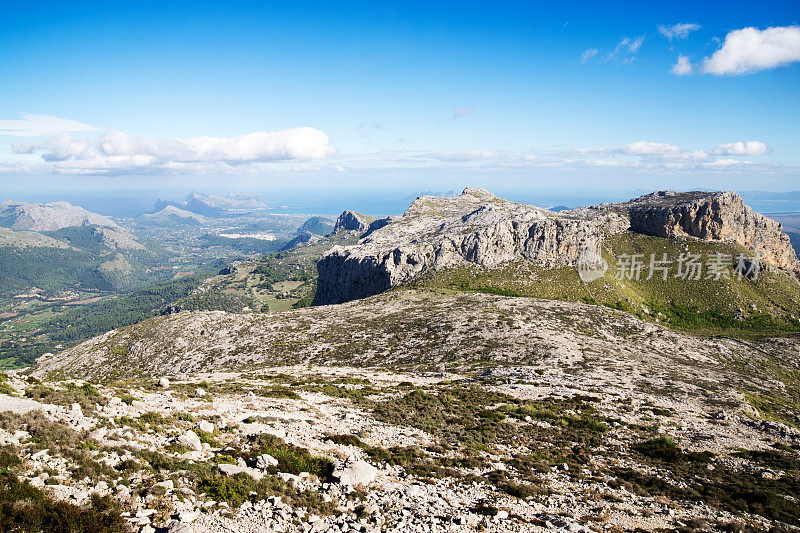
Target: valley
{"type": "Point", "coordinates": [80, 267]}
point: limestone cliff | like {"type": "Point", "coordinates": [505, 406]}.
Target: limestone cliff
{"type": "Point", "coordinates": [439, 232]}
{"type": "Point", "coordinates": [713, 216]}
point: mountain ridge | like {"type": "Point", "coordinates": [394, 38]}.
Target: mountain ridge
{"type": "Point", "coordinates": [481, 229]}
{"type": "Point", "coordinates": [50, 216]}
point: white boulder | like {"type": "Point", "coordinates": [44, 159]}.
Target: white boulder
{"type": "Point", "coordinates": [191, 441]}
{"type": "Point", "coordinates": [265, 461]}
{"type": "Point", "coordinates": [356, 473]}
{"type": "Point", "coordinates": [205, 426]}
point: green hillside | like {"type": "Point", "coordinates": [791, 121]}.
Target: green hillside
{"type": "Point", "coordinates": [731, 305]}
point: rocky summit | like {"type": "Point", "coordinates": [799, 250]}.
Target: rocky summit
{"type": "Point", "coordinates": [479, 228]}
{"type": "Point", "coordinates": [439, 395]}
{"type": "Point", "coordinates": [719, 216]}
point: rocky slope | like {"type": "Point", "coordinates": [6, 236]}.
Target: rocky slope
{"type": "Point", "coordinates": [448, 412]}
{"type": "Point", "coordinates": [440, 232]}
{"type": "Point", "coordinates": [425, 330]}
{"type": "Point", "coordinates": [25, 239]}
{"type": "Point", "coordinates": [717, 216]}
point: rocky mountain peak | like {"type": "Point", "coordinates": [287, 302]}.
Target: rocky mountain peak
{"type": "Point", "coordinates": [477, 192]}
{"type": "Point", "coordinates": [353, 221]}
{"type": "Point", "coordinates": [712, 216]}
{"type": "Point", "coordinates": [480, 228]}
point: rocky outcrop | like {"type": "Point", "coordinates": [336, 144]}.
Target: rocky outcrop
{"type": "Point", "coordinates": [713, 216]}
{"type": "Point", "coordinates": [352, 221]}
{"type": "Point", "coordinates": [439, 232]}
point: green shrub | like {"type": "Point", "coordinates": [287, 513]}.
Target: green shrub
{"type": "Point", "coordinates": [291, 459]}
{"type": "Point", "coordinates": [208, 438]}
{"type": "Point", "coordinates": [278, 392]}
{"type": "Point", "coordinates": [127, 398]}
{"type": "Point", "coordinates": [239, 488]}
{"type": "Point", "coordinates": [663, 448]}
{"type": "Point", "coordinates": [26, 509]}
{"type": "Point", "coordinates": [5, 388]}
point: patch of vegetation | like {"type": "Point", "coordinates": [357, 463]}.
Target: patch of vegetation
{"type": "Point", "coordinates": [60, 440]}
{"type": "Point", "coordinates": [729, 305]}
{"type": "Point", "coordinates": [684, 476]}
{"type": "Point", "coordinates": [470, 422]}
{"type": "Point", "coordinates": [421, 464]}
{"type": "Point", "coordinates": [278, 392]}
{"type": "Point", "coordinates": [239, 488]}
{"type": "Point", "coordinates": [665, 449]}
{"type": "Point", "coordinates": [207, 438]}
{"type": "Point", "coordinates": [291, 459]}
{"type": "Point", "coordinates": [127, 399]}
{"type": "Point", "coordinates": [86, 395]}
{"type": "Point", "coordinates": [5, 388]}
{"type": "Point", "coordinates": [461, 415]}
{"type": "Point", "coordinates": [26, 508]}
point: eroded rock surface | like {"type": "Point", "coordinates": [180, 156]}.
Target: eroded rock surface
{"type": "Point", "coordinates": [439, 232]}
{"type": "Point", "coordinates": [713, 216]}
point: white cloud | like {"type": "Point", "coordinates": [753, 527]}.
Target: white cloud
{"type": "Point", "coordinates": [646, 148]}
{"type": "Point", "coordinates": [740, 148]}
{"type": "Point", "coordinates": [588, 54]}
{"type": "Point", "coordinates": [726, 163]}
{"type": "Point", "coordinates": [461, 156]}
{"type": "Point", "coordinates": [118, 152]}
{"type": "Point", "coordinates": [626, 49]}
{"type": "Point", "coordinates": [29, 125]}
{"type": "Point", "coordinates": [749, 50]}
{"type": "Point", "coordinates": [678, 31]}
{"type": "Point", "coordinates": [461, 112]}
{"type": "Point", "coordinates": [682, 67]}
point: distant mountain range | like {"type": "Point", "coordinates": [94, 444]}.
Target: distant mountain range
{"type": "Point", "coordinates": [171, 214]}
{"type": "Point", "coordinates": [211, 205]}
{"type": "Point", "coordinates": [49, 217]}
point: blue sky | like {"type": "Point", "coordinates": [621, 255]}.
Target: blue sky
{"type": "Point", "coordinates": [566, 96]}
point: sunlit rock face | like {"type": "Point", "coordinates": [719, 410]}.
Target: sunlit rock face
{"type": "Point", "coordinates": [440, 232]}
{"type": "Point", "coordinates": [717, 216]}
